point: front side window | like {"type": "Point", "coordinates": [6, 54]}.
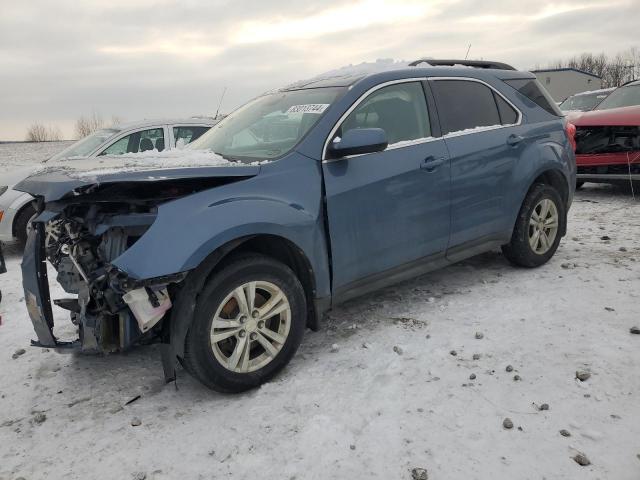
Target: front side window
{"type": "Point", "coordinates": [400, 110]}
{"type": "Point", "coordinates": [186, 134]}
{"type": "Point", "coordinates": [269, 126]}
{"type": "Point", "coordinates": [622, 97]}
{"type": "Point", "coordinates": [142, 141]}
{"type": "Point", "coordinates": [464, 105]}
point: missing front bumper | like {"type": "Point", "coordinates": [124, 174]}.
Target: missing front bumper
{"type": "Point", "coordinates": [36, 292]}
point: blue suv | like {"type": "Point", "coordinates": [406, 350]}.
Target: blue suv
{"type": "Point", "coordinates": [316, 193]}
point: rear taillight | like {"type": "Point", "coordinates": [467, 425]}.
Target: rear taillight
{"type": "Point", "coordinates": [570, 128]}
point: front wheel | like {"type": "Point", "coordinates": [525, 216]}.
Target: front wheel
{"type": "Point", "coordinates": [22, 223]}
{"type": "Point", "coordinates": [249, 321]}
{"type": "Point", "coordinates": [537, 232]}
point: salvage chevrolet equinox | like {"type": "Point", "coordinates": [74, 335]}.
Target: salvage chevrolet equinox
{"type": "Point", "coordinates": [225, 252]}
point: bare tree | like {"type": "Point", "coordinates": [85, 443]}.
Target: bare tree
{"type": "Point", "coordinates": [614, 71]}
{"type": "Point", "coordinates": [89, 124]}
{"type": "Point", "coordinates": [38, 132]}
{"type": "Point", "coordinates": [54, 134]}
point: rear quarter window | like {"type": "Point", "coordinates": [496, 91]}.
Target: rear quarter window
{"type": "Point", "coordinates": [508, 115]}
{"type": "Point", "coordinates": [531, 88]}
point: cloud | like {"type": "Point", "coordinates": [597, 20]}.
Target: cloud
{"type": "Point", "coordinates": [158, 58]}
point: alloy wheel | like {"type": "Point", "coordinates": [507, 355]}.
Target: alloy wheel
{"type": "Point", "coordinates": [543, 226]}
{"type": "Point", "coordinates": [250, 326]}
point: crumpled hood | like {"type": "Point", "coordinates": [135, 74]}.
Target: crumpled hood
{"type": "Point", "coordinates": [55, 181]}
{"type": "Point", "coordinates": [623, 116]}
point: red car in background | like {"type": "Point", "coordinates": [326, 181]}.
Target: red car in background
{"type": "Point", "coordinates": [608, 138]}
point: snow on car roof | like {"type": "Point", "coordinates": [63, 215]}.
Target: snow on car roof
{"type": "Point", "coordinates": [349, 74]}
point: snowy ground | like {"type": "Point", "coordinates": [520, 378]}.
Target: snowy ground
{"type": "Point", "coordinates": [367, 410]}
{"type": "Point", "coordinates": [25, 153]}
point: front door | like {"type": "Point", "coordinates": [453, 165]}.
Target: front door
{"type": "Point", "coordinates": [388, 210]}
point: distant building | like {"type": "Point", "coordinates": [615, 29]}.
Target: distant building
{"type": "Point", "coordinates": [563, 82]}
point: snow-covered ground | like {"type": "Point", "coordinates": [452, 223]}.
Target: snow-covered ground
{"type": "Point", "coordinates": [391, 397]}
{"type": "Point", "coordinates": [25, 153]}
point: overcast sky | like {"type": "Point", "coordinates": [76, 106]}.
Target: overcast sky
{"type": "Point", "coordinates": [145, 59]}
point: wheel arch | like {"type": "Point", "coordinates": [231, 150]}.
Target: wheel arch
{"type": "Point", "coordinates": [274, 246]}
{"type": "Point", "coordinates": [554, 177]}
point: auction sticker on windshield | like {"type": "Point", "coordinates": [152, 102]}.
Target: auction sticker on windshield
{"type": "Point", "coordinates": [309, 108]}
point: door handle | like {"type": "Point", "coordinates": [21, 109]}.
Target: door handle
{"type": "Point", "coordinates": [514, 139]}
{"type": "Point", "coordinates": [431, 163]}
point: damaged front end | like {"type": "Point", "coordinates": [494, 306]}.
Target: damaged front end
{"type": "Point", "coordinates": [83, 227]}
{"type": "Point", "coordinates": [608, 152]}
{"type": "Point", "coordinates": [81, 240]}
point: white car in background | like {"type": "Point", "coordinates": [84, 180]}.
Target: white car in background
{"type": "Point", "coordinates": [15, 207]}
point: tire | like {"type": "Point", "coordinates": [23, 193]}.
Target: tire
{"type": "Point", "coordinates": [212, 363]}
{"type": "Point", "coordinates": [21, 223]}
{"type": "Point", "coordinates": [579, 184]}
{"type": "Point", "coordinates": [519, 250]}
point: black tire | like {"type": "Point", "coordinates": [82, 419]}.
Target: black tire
{"type": "Point", "coordinates": [579, 184]}
{"type": "Point", "coordinates": [199, 359]}
{"type": "Point", "coordinates": [21, 222]}
{"type": "Point", "coordinates": [518, 251]}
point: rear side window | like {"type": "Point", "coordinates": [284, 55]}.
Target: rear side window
{"type": "Point", "coordinates": [531, 88]}
{"type": "Point", "coordinates": [464, 105]}
{"type": "Point", "coordinates": [187, 134]}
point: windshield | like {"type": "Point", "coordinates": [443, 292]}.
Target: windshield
{"type": "Point", "coordinates": [582, 103]}
{"type": "Point", "coordinates": [622, 97]}
{"type": "Point", "coordinates": [268, 126]}
{"type": "Point", "coordinates": [86, 145]}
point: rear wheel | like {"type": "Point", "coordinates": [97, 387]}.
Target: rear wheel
{"type": "Point", "coordinates": [248, 323]}
{"type": "Point", "coordinates": [537, 232]}
{"type": "Point", "coordinates": [22, 223]}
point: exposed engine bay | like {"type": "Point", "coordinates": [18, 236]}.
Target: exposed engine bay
{"type": "Point", "coordinates": [607, 139]}
{"type": "Point", "coordinates": [83, 237]}
{"type": "Point", "coordinates": [81, 249]}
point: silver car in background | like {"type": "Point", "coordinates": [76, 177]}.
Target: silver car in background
{"type": "Point", "coordinates": [133, 137]}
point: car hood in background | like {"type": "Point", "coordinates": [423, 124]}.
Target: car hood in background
{"type": "Point", "coordinates": [623, 116]}
{"type": "Point", "coordinates": [16, 175]}
{"type": "Point", "coordinates": [75, 177]}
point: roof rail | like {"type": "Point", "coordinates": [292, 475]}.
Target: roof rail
{"type": "Point", "coordinates": [466, 63]}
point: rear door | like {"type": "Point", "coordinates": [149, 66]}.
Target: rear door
{"type": "Point", "coordinates": [478, 124]}
{"type": "Point", "coordinates": [389, 209]}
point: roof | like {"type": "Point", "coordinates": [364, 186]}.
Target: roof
{"type": "Point", "coordinates": [565, 70]}
{"type": "Point", "coordinates": [347, 76]}
{"type": "Point", "coordinates": [166, 121]}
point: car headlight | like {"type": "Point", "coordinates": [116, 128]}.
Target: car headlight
{"type": "Point", "coordinates": [3, 189]}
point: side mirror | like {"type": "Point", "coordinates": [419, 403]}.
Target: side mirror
{"type": "Point", "coordinates": [358, 141]}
